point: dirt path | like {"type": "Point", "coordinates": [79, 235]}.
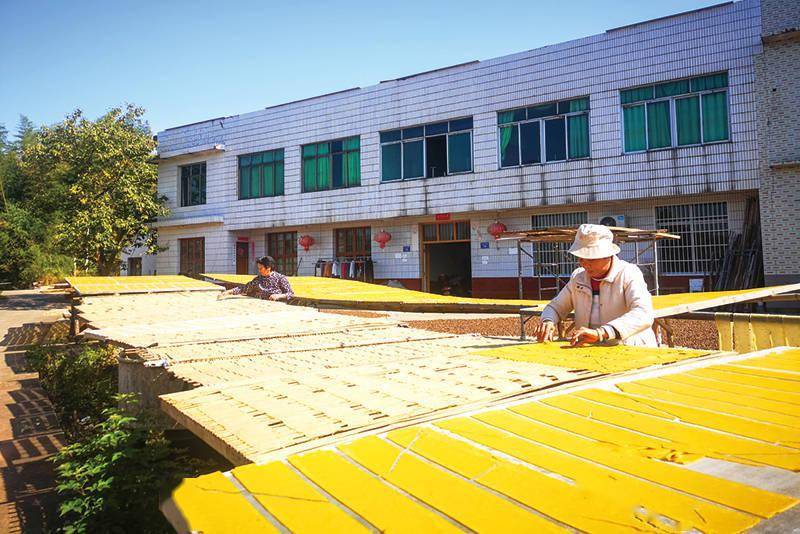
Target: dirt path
{"type": "Point", "coordinates": [29, 432]}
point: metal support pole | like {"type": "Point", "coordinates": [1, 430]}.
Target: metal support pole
{"type": "Point", "coordinates": [655, 264]}
{"type": "Point", "coordinates": [73, 319]}
{"type": "Point", "coordinates": [519, 269]}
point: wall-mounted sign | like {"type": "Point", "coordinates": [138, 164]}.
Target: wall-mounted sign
{"type": "Point", "coordinates": [442, 216]}
{"type": "Point", "coordinates": [406, 248]}
{"type": "Point", "coordinates": [484, 244]}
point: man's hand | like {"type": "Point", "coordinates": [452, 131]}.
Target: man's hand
{"type": "Point", "coordinates": [584, 335]}
{"type": "Point", "coordinates": [546, 331]}
{"type": "Point", "coordinates": [277, 296]}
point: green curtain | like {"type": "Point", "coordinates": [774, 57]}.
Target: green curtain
{"type": "Point", "coordinates": [579, 104]}
{"type": "Point", "coordinates": [635, 95]}
{"type": "Point", "coordinates": [351, 143]}
{"type": "Point", "coordinates": [578, 133]}
{"type": "Point", "coordinates": [244, 181]}
{"type": "Point", "coordinates": [323, 172]}
{"type": "Point", "coordinates": [353, 165]}
{"type": "Point", "coordinates": [635, 137]}
{"type": "Point", "coordinates": [687, 119]}
{"type": "Point", "coordinates": [279, 176]}
{"type": "Point", "coordinates": [672, 88]}
{"type": "Point", "coordinates": [713, 81]}
{"type": "Point", "coordinates": [255, 181]}
{"type": "Point", "coordinates": [715, 117]}
{"type": "Point", "coordinates": [309, 174]}
{"type": "Point", "coordinates": [658, 127]}
{"type": "Point", "coordinates": [459, 153]}
{"type": "Point", "coordinates": [269, 180]}
{"type": "Point", "coordinates": [390, 162]}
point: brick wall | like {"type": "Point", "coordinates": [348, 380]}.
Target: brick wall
{"type": "Point", "coordinates": [778, 102]}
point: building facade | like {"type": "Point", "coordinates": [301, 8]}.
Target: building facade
{"type": "Point", "coordinates": [654, 124]}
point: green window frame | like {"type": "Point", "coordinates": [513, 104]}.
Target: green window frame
{"type": "Point", "coordinates": [331, 164]}
{"type": "Point", "coordinates": [261, 174]}
{"type": "Point", "coordinates": [192, 184]}
{"type": "Point", "coordinates": [427, 151]}
{"type": "Point", "coordinates": [533, 135]}
{"type": "Point", "coordinates": [687, 112]}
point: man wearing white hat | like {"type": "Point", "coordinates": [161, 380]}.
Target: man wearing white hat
{"type": "Point", "coordinates": [609, 295]}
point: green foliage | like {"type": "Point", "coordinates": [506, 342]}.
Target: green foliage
{"type": "Point", "coordinates": [80, 380]}
{"type": "Point", "coordinates": [99, 175]}
{"type": "Point", "coordinates": [112, 478]}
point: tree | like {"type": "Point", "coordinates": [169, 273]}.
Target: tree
{"type": "Point", "coordinates": [99, 176]}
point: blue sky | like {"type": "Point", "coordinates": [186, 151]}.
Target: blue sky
{"type": "Point", "coordinates": [190, 61]}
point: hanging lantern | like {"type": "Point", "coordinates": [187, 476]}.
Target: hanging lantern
{"type": "Point", "coordinates": [306, 241]}
{"type": "Point", "coordinates": [496, 228]}
{"type": "Point", "coordinates": [383, 237]}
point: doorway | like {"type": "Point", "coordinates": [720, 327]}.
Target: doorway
{"type": "Point", "coordinates": [242, 257]}
{"type": "Point", "coordinates": [447, 258]}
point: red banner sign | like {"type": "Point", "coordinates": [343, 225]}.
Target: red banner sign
{"type": "Point", "coordinates": [442, 216]}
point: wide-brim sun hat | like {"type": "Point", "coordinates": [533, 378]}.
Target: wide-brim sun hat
{"type": "Point", "coordinates": [594, 241]}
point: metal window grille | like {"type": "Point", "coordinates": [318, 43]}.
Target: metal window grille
{"type": "Point", "coordinates": [551, 256]}
{"type": "Point", "coordinates": [704, 237]}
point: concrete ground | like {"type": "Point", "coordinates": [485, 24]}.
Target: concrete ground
{"type": "Point", "coordinates": [29, 433]}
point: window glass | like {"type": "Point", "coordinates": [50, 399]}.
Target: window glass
{"type": "Point", "coordinates": [410, 133]}
{"type": "Point", "coordinates": [555, 140]}
{"type": "Point", "coordinates": [530, 142]}
{"type": "Point", "coordinates": [193, 184]}
{"type": "Point", "coordinates": [458, 125]}
{"type": "Point", "coordinates": [413, 165]}
{"type": "Point", "coordinates": [388, 137]}
{"type": "Point", "coordinates": [509, 146]}
{"type": "Point", "coordinates": [390, 162]}
{"type": "Point", "coordinates": [460, 156]}
{"type": "Point", "coordinates": [636, 95]}
{"type": "Point", "coordinates": [436, 129]}
{"type": "Point", "coordinates": [707, 83]}
{"type": "Point", "coordinates": [436, 156]}
{"type": "Point", "coordinates": [579, 104]}
{"type": "Point", "coordinates": [671, 88]}
{"type": "Point", "coordinates": [545, 110]}
{"type": "Point", "coordinates": [338, 169]}
{"type": "Point", "coordinates": [331, 164]}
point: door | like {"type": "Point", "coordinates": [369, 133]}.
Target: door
{"type": "Point", "coordinates": [242, 257]}
{"type": "Point", "coordinates": [134, 266]}
{"type": "Point", "coordinates": [192, 255]}
{"type": "Point", "coordinates": [446, 258]}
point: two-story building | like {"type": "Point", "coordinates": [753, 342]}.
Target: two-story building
{"type": "Point", "coordinates": [653, 124]}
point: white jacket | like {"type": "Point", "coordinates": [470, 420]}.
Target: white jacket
{"type": "Point", "coordinates": [625, 303]}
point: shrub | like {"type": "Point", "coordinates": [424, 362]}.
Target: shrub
{"type": "Point", "coordinates": [81, 381]}
{"type": "Point", "coordinates": [111, 479]}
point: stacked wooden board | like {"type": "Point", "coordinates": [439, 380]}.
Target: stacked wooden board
{"type": "Point", "coordinates": [596, 459]}
{"type": "Point", "coordinates": [120, 285]}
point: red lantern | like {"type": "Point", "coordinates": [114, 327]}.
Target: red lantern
{"type": "Point", "coordinates": [383, 237]}
{"type": "Point", "coordinates": [306, 241]}
{"type": "Point", "coordinates": [496, 228]}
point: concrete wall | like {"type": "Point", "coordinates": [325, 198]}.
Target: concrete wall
{"type": "Point", "coordinates": [778, 91]}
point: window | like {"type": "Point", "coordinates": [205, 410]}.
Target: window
{"type": "Point", "coordinates": [427, 151]}
{"type": "Point", "coordinates": [193, 255]}
{"type": "Point", "coordinates": [283, 249]}
{"type": "Point", "coordinates": [444, 232]}
{"type": "Point", "coordinates": [552, 258]}
{"type": "Point", "coordinates": [332, 164]}
{"type": "Point", "coordinates": [353, 242]}
{"type": "Point", "coordinates": [134, 266]}
{"type": "Point", "coordinates": [261, 174]}
{"type": "Point", "coordinates": [546, 132]}
{"type": "Point", "coordinates": [704, 237]}
{"type": "Point", "coordinates": [193, 184]}
{"type": "Point", "coordinates": [686, 112]}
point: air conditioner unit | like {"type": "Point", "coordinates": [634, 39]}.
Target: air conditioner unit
{"type": "Point", "coordinates": [613, 220]}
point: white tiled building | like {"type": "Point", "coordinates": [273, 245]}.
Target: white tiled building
{"type": "Point", "coordinates": [656, 122]}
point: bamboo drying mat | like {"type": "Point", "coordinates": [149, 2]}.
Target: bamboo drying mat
{"type": "Point", "coordinates": [593, 460]}
{"type": "Point", "coordinates": [248, 420]}
{"type": "Point", "coordinates": [115, 285]}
